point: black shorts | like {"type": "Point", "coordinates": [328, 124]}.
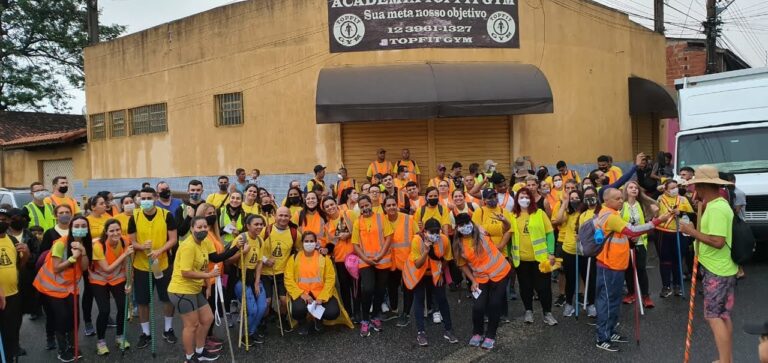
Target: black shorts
{"type": "Point", "coordinates": [269, 285]}
{"type": "Point", "coordinates": [141, 286]}
{"type": "Point", "coordinates": [559, 250]}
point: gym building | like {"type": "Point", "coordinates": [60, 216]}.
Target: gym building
{"type": "Point", "coordinates": [282, 85]}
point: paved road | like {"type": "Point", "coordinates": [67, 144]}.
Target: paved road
{"type": "Point", "coordinates": [662, 337]}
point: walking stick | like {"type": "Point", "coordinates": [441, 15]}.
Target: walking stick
{"type": "Point", "coordinates": [679, 257]}
{"type": "Point", "coordinates": [692, 298]}
{"type": "Point", "coordinates": [638, 302]}
{"type": "Point", "coordinates": [277, 300]}
{"type": "Point", "coordinates": [243, 301]}
{"type": "Point", "coordinates": [586, 283]}
{"type": "Point", "coordinates": [76, 308]}
{"type": "Point", "coordinates": [127, 311]}
{"type": "Point", "coordinates": [2, 348]}
{"type": "Point", "coordinates": [220, 295]}
{"type": "Point", "coordinates": [576, 291]}
{"type": "Point", "coordinates": [638, 296]}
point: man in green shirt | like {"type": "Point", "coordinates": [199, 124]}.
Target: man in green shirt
{"type": "Point", "coordinates": [714, 251]}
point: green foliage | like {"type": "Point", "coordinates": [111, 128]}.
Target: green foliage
{"type": "Point", "coordinates": [41, 51]}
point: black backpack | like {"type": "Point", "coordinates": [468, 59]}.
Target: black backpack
{"type": "Point", "coordinates": [742, 242]}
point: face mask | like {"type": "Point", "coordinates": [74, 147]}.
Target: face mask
{"type": "Point", "coordinates": [559, 184]}
{"type": "Point", "coordinates": [367, 211]}
{"type": "Point", "coordinates": [309, 246]}
{"type": "Point", "coordinates": [545, 191]}
{"type": "Point", "coordinates": [165, 194]}
{"type": "Point", "coordinates": [63, 190]}
{"type": "Point", "coordinates": [492, 203]}
{"type": "Point", "coordinates": [267, 208]}
{"type": "Point", "coordinates": [3, 227]}
{"type": "Point", "coordinates": [339, 176]}
{"type": "Point", "coordinates": [575, 205]}
{"type": "Point", "coordinates": [590, 201]}
{"type": "Point", "coordinates": [492, 169]}
{"type": "Point", "coordinates": [18, 225]}
{"type": "Point", "coordinates": [433, 237]}
{"type": "Point", "coordinates": [129, 207]}
{"type": "Point", "coordinates": [200, 235]}
{"type": "Point", "coordinates": [432, 202]}
{"type": "Point", "coordinates": [79, 232]}
{"type": "Point", "coordinates": [465, 229]}
{"type": "Point", "coordinates": [194, 197]}
{"type": "Point", "coordinates": [405, 175]}
{"type": "Point", "coordinates": [673, 192]}
{"type": "Point", "coordinates": [64, 219]}
{"type": "Point", "coordinates": [147, 204]}
{"type": "Point", "coordinates": [223, 187]}
{"type": "Point", "coordinates": [294, 200]}
{"type": "Point", "coordinates": [211, 220]}
{"type": "Point", "coordinates": [40, 195]}
{"type": "Point", "coordinates": [524, 202]}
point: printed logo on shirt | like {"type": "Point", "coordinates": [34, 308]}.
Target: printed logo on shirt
{"type": "Point", "coordinates": [525, 230]}
{"type": "Point", "coordinates": [4, 259]}
{"type": "Point", "coordinates": [253, 258]}
{"type": "Point", "coordinates": [277, 252]}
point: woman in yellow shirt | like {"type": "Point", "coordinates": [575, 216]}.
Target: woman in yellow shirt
{"type": "Point", "coordinates": [293, 200]}
{"type": "Point", "coordinates": [255, 296]}
{"type": "Point", "coordinates": [590, 207]}
{"type": "Point", "coordinates": [669, 266]}
{"type": "Point", "coordinates": [127, 205]}
{"type": "Point", "coordinates": [251, 202]}
{"type": "Point", "coordinates": [565, 219]}
{"type": "Point", "coordinates": [98, 215]}
{"type": "Point", "coordinates": [311, 218]}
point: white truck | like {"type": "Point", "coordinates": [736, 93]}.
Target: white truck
{"type": "Point", "coordinates": [724, 122]}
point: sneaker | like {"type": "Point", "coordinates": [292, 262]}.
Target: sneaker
{"type": "Point", "coordinates": [144, 341]}
{"type": "Point", "coordinates": [666, 292]}
{"type": "Point", "coordinates": [304, 329]}
{"type": "Point", "coordinates": [364, 329]}
{"type": "Point", "coordinates": [206, 356]}
{"type": "Point", "coordinates": [256, 338]}
{"type": "Point", "coordinates": [384, 307]}
{"type": "Point", "coordinates": [504, 319]}
{"type": "Point", "coordinates": [448, 335]}
{"type": "Point", "coordinates": [122, 344]}
{"type": "Point", "coordinates": [549, 319]}
{"type": "Point", "coordinates": [318, 325]}
{"type": "Point", "coordinates": [528, 318]}
{"type": "Point", "coordinates": [191, 360]}
{"type": "Point", "coordinates": [101, 348]}
{"type": "Point", "coordinates": [617, 338]}
{"type": "Point", "coordinates": [568, 310]}
{"type": "Point", "coordinates": [111, 323]}
{"type": "Point", "coordinates": [437, 318]}
{"type": "Point", "coordinates": [89, 330]}
{"type": "Point", "coordinates": [66, 356]}
{"type": "Point", "coordinates": [403, 321]}
{"type": "Point", "coordinates": [213, 348]}
{"type": "Point", "coordinates": [560, 300]}
{"type": "Point", "coordinates": [421, 339]}
{"type": "Point", "coordinates": [678, 291]}
{"type": "Point", "coordinates": [488, 343]}
{"type": "Point", "coordinates": [591, 311]}
{"type": "Point", "coordinates": [50, 342]}
{"type": "Point", "coordinates": [391, 315]}
{"type": "Point", "coordinates": [286, 326]}
{"type": "Point", "coordinates": [212, 340]}
{"type": "Point", "coordinates": [647, 302]}
{"type": "Point", "coordinates": [377, 325]}
{"type": "Point", "coordinates": [475, 341]}
{"type": "Point", "coordinates": [169, 336]}
{"type": "Point", "coordinates": [628, 299]}
{"type": "Point", "coordinates": [607, 346]}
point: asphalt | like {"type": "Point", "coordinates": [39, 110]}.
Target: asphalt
{"type": "Point", "coordinates": [662, 336]}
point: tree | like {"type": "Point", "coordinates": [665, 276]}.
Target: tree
{"type": "Point", "coordinates": [41, 51]}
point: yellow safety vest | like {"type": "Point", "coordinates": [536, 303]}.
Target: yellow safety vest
{"type": "Point", "coordinates": [45, 219]}
{"type": "Point", "coordinates": [538, 232]}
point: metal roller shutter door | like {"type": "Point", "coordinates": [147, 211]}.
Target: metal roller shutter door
{"type": "Point", "coordinates": [645, 135]}
{"type": "Point", "coordinates": [473, 141]}
{"type": "Point", "coordinates": [360, 141]}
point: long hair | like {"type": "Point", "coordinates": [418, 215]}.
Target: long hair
{"type": "Point", "coordinates": [319, 210]}
{"type": "Point", "coordinates": [532, 207]}
{"type": "Point", "coordinates": [201, 210]}
{"type": "Point", "coordinates": [104, 237]}
{"type": "Point", "coordinates": [87, 240]}
{"type": "Point", "coordinates": [645, 201]}
{"type": "Point", "coordinates": [570, 209]}
{"type": "Point", "coordinates": [345, 195]}
{"type": "Point", "coordinates": [301, 200]}
{"type": "Point", "coordinates": [458, 247]}
{"type": "Point", "coordinates": [584, 206]}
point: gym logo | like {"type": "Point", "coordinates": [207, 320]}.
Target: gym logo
{"type": "Point", "coordinates": [348, 30]}
{"type": "Point", "coordinates": [501, 27]}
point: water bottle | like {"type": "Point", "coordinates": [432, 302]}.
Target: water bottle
{"type": "Point", "coordinates": [599, 236]}
{"type": "Point", "coordinates": [155, 266]}
{"type": "Point", "coordinates": [685, 220]}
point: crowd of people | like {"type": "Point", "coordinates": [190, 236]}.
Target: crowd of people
{"type": "Point", "coordinates": [360, 253]}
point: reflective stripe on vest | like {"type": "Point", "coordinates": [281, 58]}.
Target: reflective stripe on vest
{"type": "Point", "coordinates": [371, 254]}
{"type": "Point", "coordinates": [44, 219]}
{"type": "Point", "coordinates": [538, 234]}
{"type": "Point", "coordinates": [412, 275]}
{"type": "Point", "coordinates": [626, 215]}
{"type": "Point", "coordinates": [407, 227]}
{"type": "Point", "coordinates": [306, 283]}
{"type": "Point", "coordinates": [494, 267]}
{"type": "Point", "coordinates": [58, 285]}
{"type": "Point", "coordinates": [98, 277]}
{"type": "Point", "coordinates": [615, 253]}
{"type": "Point", "coordinates": [224, 220]}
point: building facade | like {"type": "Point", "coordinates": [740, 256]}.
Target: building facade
{"type": "Point", "coordinates": [243, 86]}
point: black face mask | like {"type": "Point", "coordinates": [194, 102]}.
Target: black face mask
{"type": "Point", "coordinates": [267, 208]}
{"type": "Point", "coordinates": [211, 220]}
{"type": "Point", "coordinates": [432, 202]}
{"type": "Point", "coordinates": [165, 194]}
{"type": "Point", "coordinates": [575, 205]}
{"type": "Point", "coordinates": [223, 187]}
{"type": "Point", "coordinates": [63, 190]}
{"type": "Point", "coordinates": [18, 225]}
{"type": "Point", "coordinates": [3, 227]}
{"type": "Point", "coordinates": [294, 200]}
{"type": "Point", "coordinates": [590, 201]}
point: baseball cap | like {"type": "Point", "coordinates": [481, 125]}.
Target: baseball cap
{"type": "Point", "coordinates": [488, 193]}
{"type": "Point", "coordinates": [756, 329]}
{"type": "Point", "coordinates": [497, 178]}
{"type": "Point", "coordinates": [5, 212]}
{"type": "Point", "coordinates": [319, 168]}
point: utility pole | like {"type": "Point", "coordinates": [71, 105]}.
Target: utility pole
{"type": "Point", "coordinates": [658, 16]}
{"type": "Point", "coordinates": [92, 10]}
{"type": "Point", "coordinates": [711, 31]}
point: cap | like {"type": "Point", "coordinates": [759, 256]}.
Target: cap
{"type": "Point", "coordinates": [497, 178]}
{"type": "Point", "coordinates": [521, 173]}
{"type": "Point", "coordinates": [488, 193]}
{"type": "Point", "coordinates": [489, 163]}
{"type": "Point", "coordinates": [756, 329]}
{"type": "Point", "coordinates": [15, 212]}
{"type": "Point", "coordinates": [463, 218]}
{"type": "Point", "coordinates": [440, 166]}
{"type": "Point", "coordinates": [319, 168]}
{"type": "Point", "coordinates": [432, 224]}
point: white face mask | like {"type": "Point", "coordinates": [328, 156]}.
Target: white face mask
{"type": "Point", "coordinates": [310, 246]}
{"type": "Point", "coordinates": [339, 176]}
{"type": "Point", "coordinates": [492, 169]}
{"type": "Point", "coordinates": [673, 192]}
{"type": "Point", "coordinates": [558, 184]}
{"type": "Point", "coordinates": [465, 229]}
{"type": "Point", "coordinates": [129, 207]}
{"type": "Point", "coordinates": [433, 237]}
{"type": "Point", "coordinates": [524, 202]}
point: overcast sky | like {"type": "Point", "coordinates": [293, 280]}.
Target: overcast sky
{"type": "Point", "coordinates": [745, 22]}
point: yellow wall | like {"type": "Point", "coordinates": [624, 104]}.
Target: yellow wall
{"type": "Point", "coordinates": [22, 167]}
{"type": "Point", "coordinates": [273, 50]}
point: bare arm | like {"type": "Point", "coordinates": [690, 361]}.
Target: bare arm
{"type": "Point", "coordinates": [198, 275]}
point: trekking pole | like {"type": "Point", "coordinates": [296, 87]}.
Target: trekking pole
{"type": "Point", "coordinates": [637, 294]}
{"type": "Point", "coordinates": [151, 276]}
{"type": "Point", "coordinates": [692, 298]}
{"type": "Point", "coordinates": [277, 299]}
{"type": "Point", "coordinates": [219, 298]}
{"type": "Point", "coordinates": [129, 273]}
{"type": "Point", "coordinates": [243, 302]}
{"type": "Point", "coordinates": [2, 348]}
{"type": "Point", "coordinates": [76, 307]}
{"type": "Point", "coordinates": [679, 257]}
{"type": "Point", "coordinates": [576, 291]}
{"type": "Point", "coordinates": [586, 283]}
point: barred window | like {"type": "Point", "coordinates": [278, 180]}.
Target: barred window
{"type": "Point", "coordinates": [117, 123]}
{"type": "Point", "coordinates": [229, 109]}
{"type": "Point", "coordinates": [148, 119]}
{"type": "Point", "coordinates": [98, 129]}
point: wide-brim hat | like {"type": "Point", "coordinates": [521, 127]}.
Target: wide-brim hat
{"type": "Point", "coordinates": [522, 173]}
{"type": "Point", "coordinates": [707, 174]}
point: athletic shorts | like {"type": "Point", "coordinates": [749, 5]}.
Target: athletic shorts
{"type": "Point", "coordinates": [187, 303]}
{"type": "Point", "coordinates": [141, 286]}
{"type": "Point", "coordinates": [269, 285]}
{"type": "Point", "coordinates": [718, 295]}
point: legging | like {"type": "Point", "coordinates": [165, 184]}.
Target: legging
{"type": "Point", "coordinates": [668, 262]}
{"type": "Point", "coordinates": [348, 287]}
{"type": "Point", "coordinates": [299, 310]}
{"type": "Point", "coordinates": [87, 299]}
{"type": "Point", "coordinates": [530, 278]}
{"type": "Point", "coordinates": [489, 303]}
{"type": "Point", "coordinates": [569, 267]}
{"type": "Point", "coordinates": [10, 324]}
{"type": "Point", "coordinates": [394, 285]}
{"type": "Point", "coordinates": [373, 283]}
{"type": "Point", "coordinates": [641, 256]}
{"type": "Point", "coordinates": [427, 286]}
{"type": "Point", "coordinates": [101, 294]}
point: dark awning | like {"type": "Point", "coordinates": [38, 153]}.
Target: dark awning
{"type": "Point", "coordinates": [646, 96]}
{"type": "Point", "coordinates": [420, 91]}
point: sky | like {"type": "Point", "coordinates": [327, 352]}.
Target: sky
{"type": "Point", "coordinates": [745, 28]}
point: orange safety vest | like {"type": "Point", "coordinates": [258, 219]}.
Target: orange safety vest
{"type": "Point", "coordinates": [379, 168]}
{"type": "Point", "coordinates": [412, 275]}
{"type": "Point", "coordinates": [418, 203]}
{"type": "Point", "coordinates": [219, 249]}
{"type": "Point", "coordinates": [342, 247]}
{"type": "Point", "coordinates": [468, 208]}
{"type": "Point", "coordinates": [615, 253]}
{"type": "Point", "coordinates": [410, 166]}
{"type": "Point", "coordinates": [470, 199]}
{"type": "Point", "coordinates": [343, 184]}
{"type": "Point", "coordinates": [56, 201]}
{"type": "Point", "coordinates": [372, 241]}
{"type": "Point", "coordinates": [401, 239]}
{"type": "Point", "coordinates": [669, 225]}
{"type": "Point", "coordinates": [488, 264]}
{"type": "Point", "coordinates": [314, 223]}
{"type": "Point", "coordinates": [98, 277]}
{"type": "Point", "coordinates": [58, 285]}
{"type": "Point", "coordinates": [310, 276]}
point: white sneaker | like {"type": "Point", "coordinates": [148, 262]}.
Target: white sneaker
{"type": "Point", "coordinates": [549, 319]}
{"type": "Point", "coordinates": [568, 310]}
{"type": "Point", "coordinates": [384, 307]}
{"type": "Point", "coordinates": [437, 318]}
{"type": "Point", "coordinates": [592, 311]}
{"type": "Point", "coordinates": [528, 318]}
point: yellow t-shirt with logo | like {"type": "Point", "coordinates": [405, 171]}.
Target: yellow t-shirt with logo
{"type": "Point", "coordinates": [253, 257]}
{"type": "Point", "coordinates": [9, 274]}
{"type": "Point", "coordinates": [278, 246]}
{"type": "Point", "coordinates": [190, 257]}
{"type": "Point", "coordinates": [526, 246]}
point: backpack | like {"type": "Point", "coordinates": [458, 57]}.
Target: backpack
{"type": "Point", "coordinates": [742, 242]}
{"type": "Point", "coordinates": [587, 243]}
{"type": "Point", "coordinates": [294, 232]}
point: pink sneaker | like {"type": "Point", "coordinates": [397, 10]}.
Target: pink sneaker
{"type": "Point", "coordinates": [377, 325]}
{"type": "Point", "coordinates": [364, 329]}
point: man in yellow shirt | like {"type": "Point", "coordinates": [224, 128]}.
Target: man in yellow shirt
{"type": "Point", "coordinates": [605, 164]}
{"type": "Point", "coordinates": [221, 197]}
{"type": "Point", "coordinates": [13, 255]}
{"type": "Point", "coordinates": [280, 239]}
{"type": "Point", "coordinates": [319, 179]}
